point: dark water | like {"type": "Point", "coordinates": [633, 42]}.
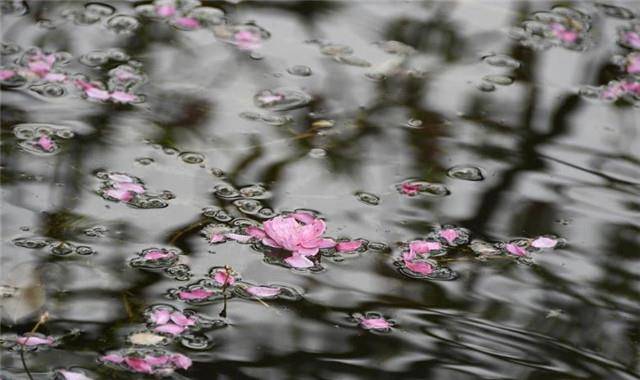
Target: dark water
{"type": "Point", "coordinates": [327, 107]}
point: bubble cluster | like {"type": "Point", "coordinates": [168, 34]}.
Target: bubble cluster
{"type": "Point", "coordinates": [41, 139]}
{"type": "Point", "coordinates": [561, 26]}
{"type": "Point", "coordinates": [467, 173]}
{"type": "Point", "coordinates": [182, 15]}
{"type": "Point", "coordinates": [55, 247]}
{"type": "Point", "coordinates": [413, 187]}
{"type": "Point", "coordinates": [341, 53]}
{"type": "Point", "coordinates": [368, 198]}
{"type": "Point", "coordinates": [121, 187]}
{"type": "Point", "coordinates": [282, 99]}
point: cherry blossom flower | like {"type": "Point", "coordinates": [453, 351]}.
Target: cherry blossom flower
{"type": "Point", "coordinates": [544, 242]}
{"type": "Point", "coordinates": [300, 233]}
{"type": "Point", "coordinates": [563, 33]}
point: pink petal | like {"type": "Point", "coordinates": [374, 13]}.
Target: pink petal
{"type": "Point", "coordinates": [307, 251]}
{"type": "Point", "coordinates": [6, 74]}
{"type": "Point", "coordinates": [222, 278]}
{"type": "Point", "coordinates": [303, 217]}
{"type": "Point", "coordinates": [375, 323]}
{"type": "Point", "coordinates": [270, 243]}
{"type": "Point", "coordinates": [40, 68]}
{"type": "Point", "coordinates": [121, 195]}
{"type": "Point", "coordinates": [55, 77]}
{"type": "Point", "coordinates": [298, 261]}
{"type": "Point", "coordinates": [217, 238]}
{"type": "Point", "coordinates": [30, 341]}
{"type": "Point", "coordinates": [544, 242]}
{"type": "Point", "coordinates": [138, 364]}
{"type": "Point", "coordinates": [450, 235]}
{"type": "Point", "coordinates": [239, 238]}
{"type": "Point", "coordinates": [271, 98]}
{"type": "Point", "coordinates": [181, 319]}
{"type": "Point", "coordinates": [419, 267]}
{"type": "Point", "coordinates": [187, 22]}
{"type": "Point", "coordinates": [170, 328]}
{"type": "Point", "coordinates": [129, 186]}
{"type": "Point", "coordinates": [263, 291]}
{"type": "Point", "coordinates": [123, 97]}
{"type": "Point", "coordinates": [157, 255]}
{"type": "Point", "coordinates": [348, 246]}
{"type": "Point", "coordinates": [165, 10]}
{"type": "Point", "coordinates": [45, 143]}
{"type": "Point", "coordinates": [113, 358]}
{"type": "Point", "coordinates": [96, 93]}
{"type": "Point", "coordinates": [69, 375]}
{"type": "Point", "coordinates": [157, 360]}
{"type": "Point", "coordinates": [160, 316]}
{"type": "Point", "coordinates": [246, 40]}
{"type": "Point", "coordinates": [422, 246]}
{"type": "Point", "coordinates": [255, 232]}
{"type": "Point", "coordinates": [515, 249]}
{"type": "Point", "coordinates": [330, 243]}
{"type": "Point", "coordinates": [181, 361]}
{"type": "Point", "coordinates": [195, 294]}
{"type": "Point", "coordinates": [409, 188]}
{"type": "Point", "coordinates": [120, 178]}
{"type": "Point", "coordinates": [408, 255]}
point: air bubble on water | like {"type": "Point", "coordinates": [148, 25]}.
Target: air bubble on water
{"type": "Point", "coordinates": [396, 47]}
{"type": "Point", "coordinates": [246, 37]}
{"type": "Point", "coordinates": [51, 90]}
{"type": "Point", "coordinates": [192, 157]}
{"type": "Point", "coordinates": [414, 123]}
{"type": "Point", "coordinates": [179, 272]}
{"type": "Point", "coordinates": [31, 243]}
{"type": "Point", "coordinates": [501, 60]}
{"type": "Point", "coordinates": [368, 198]}
{"type": "Point", "coordinates": [216, 172]}
{"type": "Point", "coordinates": [94, 58]}
{"type": "Point", "coordinates": [95, 231]}
{"type": "Point", "coordinates": [352, 60]}
{"type": "Point", "coordinates": [281, 99]}
{"type": "Point", "coordinates": [170, 151]}
{"type": "Point", "coordinates": [615, 11]}
{"type": "Point", "coordinates": [196, 342]}
{"type": "Point", "coordinates": [468, 173]}
{"type": "Point", "coordinates": [122, 24]}
{"type": "Point", "coordinates": [336, 50]}
{"type": "Point", "coordinates": [226, 191]}
{"type": "Point", "coordinates": [144, 161]}
{"type": "Point", "coordinates": [118, 55]}
{"type": "Point", "coordinates": [266, 213]}
{"type": "Point", "coordinates": [502, 80]}
{"type": "Point", "coordinates": [207, 16]}
{"type": "Point", "coordinates": [254, 116]}
{"type": "Point", "coordinates": [99, 9]}
{"type": "Point", "coordinates": [84, 250]}
{"type": "Point", "coordinates": [486, 86]}
{"type": "Point", "coordinates": [256, 55]}
{"type": "Point", "coordinates": [317, 153]}
{"type": "Point", "coordinates": [9, 48]}
{"type": "Point", "coordinates": [277, 120]}
{"type": "Point", "coordinates": [299, 70]}
{"type": "Point", "coordinates": [376, 77]}
{"type": "Point", "coordinates": [255, 192]}
{"type": "Point", "coordinates": [62, 249]}
{"type": "Point", "coordinates": [248, 206]}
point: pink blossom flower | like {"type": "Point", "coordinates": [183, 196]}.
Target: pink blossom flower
{"type": "Point", "coordinates": [375, 324]}
{"type": "Point", "coordinates": [300, 233]}
{"type": "Point", "coordinates": [187, 22]}
{"type": "Point", "coordinates": [544, 242]}
{"type": "Point", "coordinates": [121, 195]}
{"type": "Point", "coordinates": [247, 40]}
{"type": "Point", "coordinates": [158, 255]}
{"type": "Point", "coordinates": [55, 77]}
{"type": "Point", "coordinates": [515, 249]}
{"type": "Point", "coordinates": [632, 39]}
{"type": "Point", "coordinates": [123, 97]}
{"type": "Point", "coordinates": [449, 234]}
{"type": "Point", "coordinates": [409, 188]}
{"type": "Point", "coordinates": [34, 340]}
{"type": "Point", "coordinates": [6, 74]}
{"type": "Point", "coordinates": [223, 278]}
{"type": "Point", "coordinates": [425, 246]}
{"type": "Point", "coordinates": [113, 358]}
{"type": "Point", "coordinates": [263, 291]}
{"type": "Point", "coordinates": [45, 143]}
{"type": "Point", "coordinates": [270, 98]}
{"type": "Point", "coordinates": [563, 33]}
{"type": "Point", "coordinates": [170, 328]}
{"type": "Point", "coordinates": [138, 364]}
{"type": "Point", "coordinates": [195, 294]}
{"type": "Point", "coordinates": [165, 10]}
{"type": "Point", "coordinates": [181, 361]}
{"type": "Point", "coordinates": [70, 375]}
{"type": "Point", "coordinates": [419, 267]}
{"type": "Point", "coordinates": [348, 246]}
{"type": "Point", "coordinates": [39, 67]}
{"type": "Point", "coordinates": [633, 63]}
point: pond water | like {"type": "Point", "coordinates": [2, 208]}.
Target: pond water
{"type": "Point", "coordinates": [320, 190]}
